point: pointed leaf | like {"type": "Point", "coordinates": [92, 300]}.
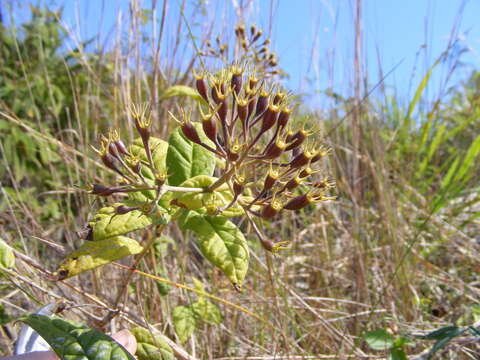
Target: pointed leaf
{"type": "Point", "coordinates": [184, 322]}
{"type": "Point", "coordinates": [151, 347]}
{"type": "Point", "coordinates": [7, 259]}
{"type": "Point", "coordinates": [416, 98]}
{"type": "Point", "coordinates": [106, 224]}
{"type": "Point", "coordinates": [207, 311]}
{"type": "Point", "coordinates": [73, 341]}
{"type": "Point", "coordinates": [186, 159]}
{"type": "Point", "coordinates": [182, 90]}
{"type": "Point", "coordinates": [223, 244]}
{"type": "Point", "coordinates": [445, 332]}
{"type": "Point", "coordinates": [93, 254]}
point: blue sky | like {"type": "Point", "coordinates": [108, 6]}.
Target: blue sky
{"type": "Point", "coordinates": [314, 38]}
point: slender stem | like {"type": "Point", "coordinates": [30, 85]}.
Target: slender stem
{"type": "Point", "coordinates": [146, 146]}
{"type": "Point", "coordinates": [184, 189]}
{"type": "Point", "coordinates": [210, 149]}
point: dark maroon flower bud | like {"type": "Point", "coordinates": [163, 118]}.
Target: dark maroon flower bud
{"type": "Point", "coordinates": [278, 98]}
{"type": "Point", "coordinates": [298, 202]}
{"type": "Point", "coordinates": [102, 190]}
{"type": "Point", "coordinates": [266, 243]}
{"type": "Point", "coordinates": [320, 154]}
{"type": "Point", "coordinates": [275, 149]}
{"type": "Point", "coordinates": [270, 210]}
{"type": "Point", "coordinates": [252, 82]}
{"type": "Point", "coordinates": [273, 62]}
{"type": "Point", "coordinates": [262, 103]}
{"type": "Point", "coordinates": [270, 180]}
{"type": "Point", "coordinates": [293, 183]}
{"type": "Point", "coordinates": [121, 148]}
{"type": "Point", "coordinates": [302, 159]}
{"type": "Point", "coordinates": [242, 111]}
{"type": "Point", "coordinates": [209, 126]}
{"type": "Point", "coordinates": [324, 184]}
{"type": "Point", "coordinates": [296, 139]}
{"type": "Point", "coordinates": [218, 92]}
{"type": "Point", "coordinates": [222, 112]}
{"type": "Point", "coordinates": [284, 117]}
{"type": "Point", "coordinates": [257, 36]}
{"type": "Point", "coordinates": [237, 81]}
{"type": "Point", "coordinates": [269, 118]}
{"type": "Point", "coordinates": [143, 130]}
{"type": "Point", "coordinates": [306, 172]}
{"type": "Point", "coordinates": [112, 149]}
{"type": "Point", "coordinates": [238, 187]}
{"type": "Point", "coordinates": [190, 132]}
{"type": "Point", "coordinates": [240, 31]}
{"type": "Point", "coordinates": [122, 209]}
{"type": "Point", "coordinates": [201, 85]}
{"type": "Point", "coordinates": [110, 162]}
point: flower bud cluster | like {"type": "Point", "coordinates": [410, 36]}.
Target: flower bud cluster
{"type": "Point", "coordinates": [269, 164]}
{"type": "Point", "coordinates": [116, 156]}
{"type": "Point", "coordinates": [250, 44]}
{"type": "Point", "coordinates": [249, 123]}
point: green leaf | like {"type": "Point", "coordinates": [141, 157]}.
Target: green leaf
{"type": "Point", "coordinates": [216, 199]}
{"type": "Point", "coordinates": [443, 337]}
{"type": "Point", "coordinates": [416, 98]}
{"type": "Point", "coordinates": [207, 311]}
{"type": "Point", "coordinates": [186, 159]}
{"type": "Point", "coordinates": [182, 90]}
{"type": "Point", "coordinates": [163, 288]}
{"type": "Point", "coordinates": [74, 341]}
{"type": "Point", "coordinates": [379, 339]}
{"type": "Point", "coordinates": [445, 332]}
{"type": "Point", "coordinates": [397, 354]}
{"type": "Point", "coordinates": [7, 259]}
{"type": "Point", "coordinates": [469, 159]}
{"type": "Point", "coordinates": [159, 149]}
{"type": "Point", "coordinates": [184, 322]}
{"type": "Point", "coordinates": [106, 224]}
{"type": "Point", "coordinates": [93, 254]}
{"type": "Point", "coordinates": [151, 347]}
{"type": "Point", "coordinates": [223, 244]}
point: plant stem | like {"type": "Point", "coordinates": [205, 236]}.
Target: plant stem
{"type": "Point", "coordinates": [183, 189]}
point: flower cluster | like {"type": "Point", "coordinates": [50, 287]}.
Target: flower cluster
{"type": "Point", "coordinates": [267, 164]}
{"type": "Point", "coordinates": [248, 122]}
{"type": "Point", "coordinates": [251, 45]}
